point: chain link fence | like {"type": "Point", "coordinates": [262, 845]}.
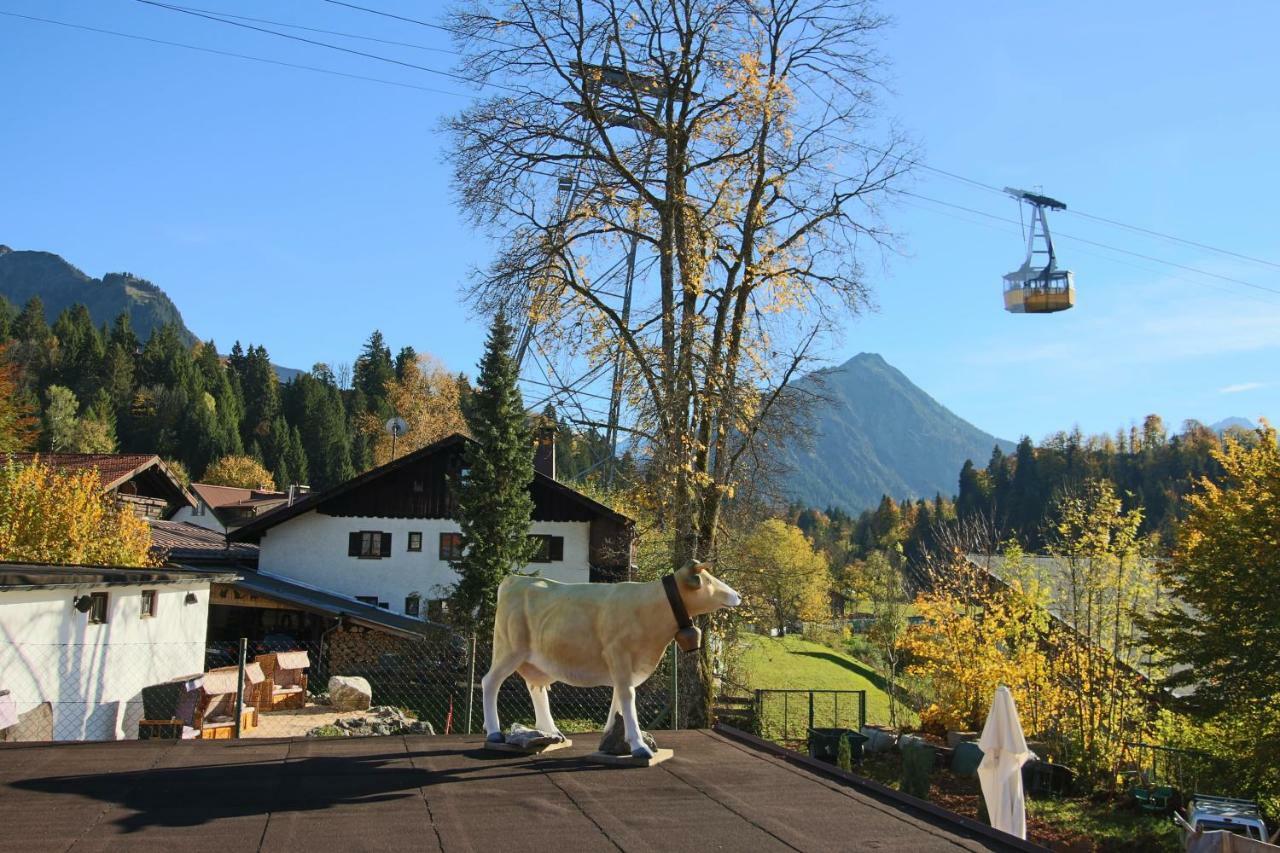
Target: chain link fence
{"type": "Point", "coordinates": [124, 691]}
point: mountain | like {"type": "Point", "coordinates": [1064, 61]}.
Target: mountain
{"type": "Point", "coordinates": [1227, 423]}
{"type": "Point", "coordinates": [60, 285]}
{"type": "Point", "coordinates": [876, 433]}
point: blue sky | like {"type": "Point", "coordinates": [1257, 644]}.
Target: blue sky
{"type": "Point", "coordinates": [302, 210]}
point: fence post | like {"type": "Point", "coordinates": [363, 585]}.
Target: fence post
{"type": "Point", "coordinates": [862, 709]}
{"type": "Point", "coordinates": [471, 683]}
{"type": "Point", "coordinates": [811, 710]}
{"type": "Point", "coordinates": [786, 714]}
{"type": "Point", "coordinates": [836, 713]}
{"type": "Point", "coordinates": [675, 688]}
{"type": "Point", "coordinates": [244, 649]}
{"type": "Point", "coordinates": [759, 715]}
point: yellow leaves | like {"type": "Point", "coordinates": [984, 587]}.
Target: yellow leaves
{"type": "Point", "coordinates": [47, 516]}
{"type": "Point", "coordinates": [429, 399]}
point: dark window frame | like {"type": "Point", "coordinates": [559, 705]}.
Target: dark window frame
{"type": "Point", "coordinates": [150, 598]}
{"type": "Point", "coordinates": [453, 551]}
{"type": "Point", "coordinates": [369, 544]}
{"type": "Point", "coordinates": [413, 604]}
{"type": "Point", "coordinates": [550, 548]}
{"type": "Point", "coordinates": [415, 536]}
{"type": "Point", "coordinates": [99, 608]}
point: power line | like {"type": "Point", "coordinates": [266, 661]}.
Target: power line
{"type": "Point", "coordinates": [317, 30]}
{"type": "Point", "coordinates": [233, 55]}
{"type": "Point", "coordinates": [317, 43]}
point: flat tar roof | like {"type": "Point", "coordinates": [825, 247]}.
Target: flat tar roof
{"type": "Point", "coordinates": [444, 793]}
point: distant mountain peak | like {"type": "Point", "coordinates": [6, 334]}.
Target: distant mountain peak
{"type": "Point", "coordinates": [1227, 423]}
{"type": "Point", "coordinates": [877, 433]}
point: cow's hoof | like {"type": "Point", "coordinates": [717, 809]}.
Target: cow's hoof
{"type": "Point", "coordinates": [496, 737]}
{"type": "Point", "coordinates": [642, 752]}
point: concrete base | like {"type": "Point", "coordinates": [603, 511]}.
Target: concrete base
{"type": "Point", "coordinates": [533, 750]}
{"type": "Point", "coordinates": [628, 761]}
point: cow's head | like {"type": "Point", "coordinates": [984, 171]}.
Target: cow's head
{"type": "Point", "coordinates": [702, 591]}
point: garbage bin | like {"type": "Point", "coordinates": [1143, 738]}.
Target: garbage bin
{"type": "Point", "coordinates": [965, 759]}
{"type": "Point", "coordinates": [824, 744]}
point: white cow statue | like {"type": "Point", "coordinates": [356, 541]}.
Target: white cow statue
{"type": "Point", "coordinates": [590, 635]}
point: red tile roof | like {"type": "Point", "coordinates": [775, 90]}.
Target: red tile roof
{"type": "Point", "coordinates": [112, 468]}
{"type": "Point", "coordinates": [220, 496]}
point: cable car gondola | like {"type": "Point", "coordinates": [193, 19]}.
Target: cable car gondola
{"type": "Point", "coordinates": [1037, 287]}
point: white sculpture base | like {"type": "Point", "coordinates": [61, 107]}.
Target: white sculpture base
{"type": "Point", "coordinates": [529, 750]}
{"type": "Point", "coordinates": [628, 761]}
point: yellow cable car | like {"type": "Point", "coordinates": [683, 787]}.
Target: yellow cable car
{"type": "Point", "coordinates": [1038, 287]}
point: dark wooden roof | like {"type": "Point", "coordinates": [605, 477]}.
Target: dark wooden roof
{"type": "Point", "coordinates": [147, 470]}
{"type": "Point", "coordinates": [417, 486]}
{"type": "Point", "coordinates": [181, 541]}
{"type": "Point", "coordinates": [14, 576]}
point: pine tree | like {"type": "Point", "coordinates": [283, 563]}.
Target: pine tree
{"type": "Point", "coordinates": [494, 504]}
{"type": "Point", "coordinates": [17, 423]}
{"type": "Point", "coordinates": [373, 371]}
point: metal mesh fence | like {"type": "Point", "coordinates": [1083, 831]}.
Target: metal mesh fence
{"type": "Point", "coordinates": [123, 691]}
{"type": "Point", "coordinates": [786, 716]}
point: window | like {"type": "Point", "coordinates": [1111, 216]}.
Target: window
{"type": "Point", "coordinates": [148, 603]}
{"type": "Point", "coordinates": [98, 608]}
{"type": "Point", "coordinates": [412, 604]}
{"type": "Point", "coordinates": [415, 541]}
{"type": "Point", "coordinates": [548, 548]}
{"type": "Point", "coordinates": [451, 546]}
{"type": "Point", "coordinates": [199, 509]}
{"type": "Point", "coordinates": [369, 545]}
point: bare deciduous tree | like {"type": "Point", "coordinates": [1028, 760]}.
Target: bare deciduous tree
{"type": "Point", "coordinates": [716, 144]}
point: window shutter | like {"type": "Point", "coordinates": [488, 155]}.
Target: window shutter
{"type": "Point", "coordinates": [353, 544]}
{"type": "Point", "coordinates": [555, 548]}
{"type": "Point", "coordinates": [386, 545]}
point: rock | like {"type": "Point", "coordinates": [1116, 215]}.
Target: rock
{"type": "Point", "coordinates": [381, 720]}
{"type": "Point", "coordinates": [349, 693]}
{"type": "Point", "coordinates": [614, 741]}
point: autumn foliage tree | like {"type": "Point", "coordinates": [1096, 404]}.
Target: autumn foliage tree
{"type": "Point", "coordinates": [722, 147]}
{"type": "Point", "coordinates": [243, 472]}
{"type": "Point", "coordinates": [1220, 630]}
{"type": "Point", "coordinates": [428, 397]}
{"type": "Point", "coordinates": [17, 422]}
{"type": "Point", "coordinates": [50, 516]}
{"type": "Point", "coordinates": [781, 577]}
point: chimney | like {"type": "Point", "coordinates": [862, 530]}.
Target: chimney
{"type": "Point", "coordinates": [544, 450]}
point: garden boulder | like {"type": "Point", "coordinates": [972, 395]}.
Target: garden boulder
{"type": "Point", "coordinates": [349, 693]}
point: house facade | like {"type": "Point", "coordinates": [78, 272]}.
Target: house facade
{"type": "Point", "coordinates": [85, 640]}
{"type": "Point", "coordinates": [390, 537]}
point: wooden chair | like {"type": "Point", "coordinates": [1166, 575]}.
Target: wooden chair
{"type": "Point", "coordinates": [285, 673]}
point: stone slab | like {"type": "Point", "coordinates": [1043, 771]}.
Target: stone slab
{"type": "Point", "coordinates": [630, 761]}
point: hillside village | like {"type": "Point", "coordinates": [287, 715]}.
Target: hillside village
{"type": "Point", "coordinates": [587, 529]}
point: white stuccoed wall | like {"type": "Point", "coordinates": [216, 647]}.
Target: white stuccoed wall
{"type": "Point", "coordinates": [94, 674]}
{"type": "Point", "coordinates": [312, 549]}
{"type": "Point", "coordinates": [208, 520]}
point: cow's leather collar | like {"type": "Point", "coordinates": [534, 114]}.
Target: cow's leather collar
{"type": "Point", "coordinates": [688, 635]}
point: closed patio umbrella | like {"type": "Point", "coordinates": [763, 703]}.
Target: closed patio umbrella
{"type": "Point", "coordinates": [1004, 751]}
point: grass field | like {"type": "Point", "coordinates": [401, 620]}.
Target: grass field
{"type": "Point", "coordinates": [793, 663]}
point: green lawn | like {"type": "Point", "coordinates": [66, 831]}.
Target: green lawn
{"type": "Point", "coordinates": [791, 662]}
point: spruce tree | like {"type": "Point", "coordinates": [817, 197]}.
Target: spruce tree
{"type": "Point", "coordinates": [494, 504]}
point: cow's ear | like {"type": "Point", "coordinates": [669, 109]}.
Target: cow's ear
{"type": "Point", "coordinates": [691, 570]}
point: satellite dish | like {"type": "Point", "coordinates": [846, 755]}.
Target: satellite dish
{"type": "Point", "coordinates": [396, 427]}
